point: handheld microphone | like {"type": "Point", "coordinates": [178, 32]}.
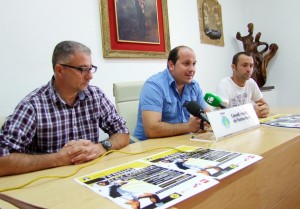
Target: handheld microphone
{"type": "Point", "coordinates": [195, 109]}
{"type": "Point", "coordinates": [213, 100]}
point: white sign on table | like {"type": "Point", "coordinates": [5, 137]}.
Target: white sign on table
{"type": "Point", "coordinates": [229, 121]}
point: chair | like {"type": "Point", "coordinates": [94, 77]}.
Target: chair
{"type": "Point", "coordinates": [127, 99]}
{"type": "Point", "coordinates": [2, 120]}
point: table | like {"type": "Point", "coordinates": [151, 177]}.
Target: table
{"type": "Point", "coordinates": [272, 182]}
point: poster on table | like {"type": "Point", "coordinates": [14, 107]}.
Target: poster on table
{"type": "Point", "coordinates": [144, 185]}
{"type": "Point", "coordinates": [282, 120]}
{"type": "Point", "coordinates": [166, 178]}
{"type": "Point", "coordinates": [214, 163]}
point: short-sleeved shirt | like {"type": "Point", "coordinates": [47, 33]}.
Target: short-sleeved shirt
{"type": "Point", "coordinates": [159, 94]}
{"type": "Point", "coordinates": [43, 123]}
{"type": "Point", "coordinates": [233, 95]}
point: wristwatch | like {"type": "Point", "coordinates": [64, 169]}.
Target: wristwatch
{"type": "Point", "coordinates": [106, 144]}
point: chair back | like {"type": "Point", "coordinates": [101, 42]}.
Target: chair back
{"type": "Point", "coordinates": [2, 120]}
{"type": "Point", "coordinates": [127, 100]}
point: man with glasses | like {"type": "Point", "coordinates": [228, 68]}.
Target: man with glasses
{"type": "Point", "coordinates": [58, 123]}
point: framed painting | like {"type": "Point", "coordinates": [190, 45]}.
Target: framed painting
{"type": "Point", "coordinates": [135, 29]}
{"type": "Point", "coordinates": [210, 19]}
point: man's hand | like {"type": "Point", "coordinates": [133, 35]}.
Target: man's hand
{"type": "Point", "coordinates": [261, 109]}
{"type": "Point", "coordinates": [81, 151]}
{"type": "Point", "coordinates": [194, 124]}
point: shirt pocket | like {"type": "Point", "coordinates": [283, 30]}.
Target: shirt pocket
{"type": "Point", "coordinates": [169, 111]}
{"type": "Point", "coordinates": [89, 121]}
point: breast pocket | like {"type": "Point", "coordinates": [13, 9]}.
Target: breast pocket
{"type": "Point", "coordinates": [90, 121]}
{"type": "Point", "coordinates": [170, 111]}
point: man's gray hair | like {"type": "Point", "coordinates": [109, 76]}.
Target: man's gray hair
{"type": "Point", "coordinates": [65, 49]}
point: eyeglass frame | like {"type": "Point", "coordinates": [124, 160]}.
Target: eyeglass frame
{"type": "Point", "coordinates": [81, 69]}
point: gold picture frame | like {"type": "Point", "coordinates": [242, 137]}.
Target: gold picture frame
{"type": "Point", "coordinates": [210, 20]}
{"type": "Point", "coordinates": [112, 48]}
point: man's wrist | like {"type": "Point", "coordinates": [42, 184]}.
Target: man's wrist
{"type": "Point", "coordinates": [106, 145]}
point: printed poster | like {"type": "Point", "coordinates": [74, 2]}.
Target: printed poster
{"type": "Point", "coordinates": [214, 163]}
{"type": "Point", "coordinates": [166, 178]}
{"type": "Point", "coordinates": [282, 120]}
{"type": "Point", "coordinates": [144, 185]}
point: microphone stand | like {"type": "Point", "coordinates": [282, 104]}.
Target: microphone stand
{"type": "Point", "coordinates": [202, 125]}
{"type": "Point", "coordinates": [202, 121]}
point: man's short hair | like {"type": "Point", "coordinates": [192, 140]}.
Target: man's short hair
{"type": "Point", "coordinates": [237, 55]}
{"type": "Point", "coordinates": [63, 51]}
{"type": "Point", "coordinates": [173, 55]}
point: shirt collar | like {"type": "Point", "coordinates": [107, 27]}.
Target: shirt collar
{"type": "Point", "coordinates": [56, 98]}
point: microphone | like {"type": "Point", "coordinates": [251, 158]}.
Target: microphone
{"type": "Point", "coordinates": [214, 100]}
{"type": "Point", "coordinates": [195, 109]}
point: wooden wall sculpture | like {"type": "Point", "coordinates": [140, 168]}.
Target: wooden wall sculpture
{"type": "Point", "coordinates": [262, 53]}
{"type": "Point", "coordinates": [210, 20]}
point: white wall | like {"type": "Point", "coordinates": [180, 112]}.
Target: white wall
{"type": "Point", "coordinates": [278, 21]}
{"type": "Point", "coordinates": [30, 29]}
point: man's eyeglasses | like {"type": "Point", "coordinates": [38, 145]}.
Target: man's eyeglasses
{"type": "Point", "coordinates": [84, 70]}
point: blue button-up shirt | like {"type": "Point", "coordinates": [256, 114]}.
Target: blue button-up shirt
{"type": "Point", "coordinates": [160, 94]}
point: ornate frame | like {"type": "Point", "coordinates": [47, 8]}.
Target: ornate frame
{"type": "Point", "coordinates": [210, 20]}
{"type": "Point", "coordinates": [114, 49]}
